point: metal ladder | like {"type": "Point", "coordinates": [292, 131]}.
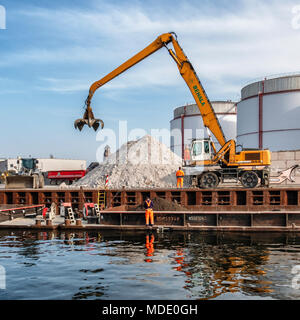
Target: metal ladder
{"type": "Point", "coordinates": [71, 215]}
{"type": "Point", "coordinates": [97, 210]}
{"type": "Point", "coordinates": [101, 199]}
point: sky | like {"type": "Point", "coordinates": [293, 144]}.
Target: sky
{"type": "Point", "coordinates": [52, 51]}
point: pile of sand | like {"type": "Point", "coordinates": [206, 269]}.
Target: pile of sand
{"type": "Point", "coordinates": [145, 163]}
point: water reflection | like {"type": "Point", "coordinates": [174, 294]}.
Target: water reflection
{"type": "Point", "coordinates": [236, 264]}
{"type": "Point", "coordinates": [150, 247]}
{"type": "Point", "coordinates": [132, 265]}
{"type": "Point", "coordinates": [214, 267]}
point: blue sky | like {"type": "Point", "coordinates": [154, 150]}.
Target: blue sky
{"type": "Point", "coordinates": [52, 51]}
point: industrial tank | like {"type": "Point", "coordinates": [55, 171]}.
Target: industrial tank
{"type": "Point", "coordinates": [268, 114]}
{"type": "Point", "coordinates": [187, 124]}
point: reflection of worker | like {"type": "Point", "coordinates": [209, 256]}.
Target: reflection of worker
{"type": "Point", "coordinates": [182, 265]}
{"type": "Point", "coordinates": [148, 205]}
{"type": "Point", "coordinates": [179, 175]}
{"type": "Point", "coordinates": [179, 258]}
{"type": "Point", "coordinates": [149, 247]}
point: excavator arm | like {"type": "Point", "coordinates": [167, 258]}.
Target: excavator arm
{"type": "Point", "coordinates": [186, 71]}
{"type": "Point", "coordinates": [88, 117]}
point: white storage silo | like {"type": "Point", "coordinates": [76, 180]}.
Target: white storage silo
{"type": "Point", "coordinates": [268, 114]}
{"type": "Point", "coordinates": [187, 124]}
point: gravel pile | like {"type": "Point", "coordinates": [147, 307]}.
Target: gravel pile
{"type": "Point", "coordinates": [145, 163]}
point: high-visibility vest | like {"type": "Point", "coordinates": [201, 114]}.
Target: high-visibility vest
{"type": "Point", "coordinates": [179, 174]}
{"type": "Point", "coordinates": [148, 203]}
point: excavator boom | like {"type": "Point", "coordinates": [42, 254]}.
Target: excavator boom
{"type": "Point", "coordinates": [187, 72]}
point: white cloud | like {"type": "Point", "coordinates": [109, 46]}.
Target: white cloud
{"type": "Point", "coordinates": [57, 55]}
{"type": "Point", "coordinates": [254, 40]}
{"type": "Point", "coordinates": [62, 85]}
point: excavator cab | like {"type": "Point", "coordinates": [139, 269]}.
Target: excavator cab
{"type": "Point", "coordinates": [201, 150]}
{"type": "Point", "coordinates": [28, 164]}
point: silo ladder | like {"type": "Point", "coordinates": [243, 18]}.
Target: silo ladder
{"type": "Point", "coordinates": [71, 215]}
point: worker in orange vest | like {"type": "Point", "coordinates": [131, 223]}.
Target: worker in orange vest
{"type": "Point", "coordinates": [179, 176]}
{"type": "Point", "coordinates": [148, 205]}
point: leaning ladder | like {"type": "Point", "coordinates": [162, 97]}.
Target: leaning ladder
{"type": "Point", "coordinates": [71, 215]}
{"type": "Point", "coordinates": [97, 211]}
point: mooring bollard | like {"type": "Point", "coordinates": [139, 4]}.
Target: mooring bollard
{"type": "Point", "coordinates": [67, 222]}
{"type": "Point", "coordinates": [49, 222]}
{"type": "Point", "coordinates": [78, 222]}
{"type": "Point", "coordinates": [38, 222]}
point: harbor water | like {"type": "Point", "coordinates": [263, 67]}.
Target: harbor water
{"type": "Point", "coordinates": [144, 266]}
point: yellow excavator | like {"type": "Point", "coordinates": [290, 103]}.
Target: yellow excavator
{"type": "Point", "coordinates": [208, 167]}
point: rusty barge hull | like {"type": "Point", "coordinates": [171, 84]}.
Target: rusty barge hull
{"type": "Point", "coordinates": [233, 199]}
{"type": "Point", "coordinates": [207, 220]}
{"type": "Point", "coordinates": [174, 221]}
{"type": "Point", "coordinates": [234, 209]}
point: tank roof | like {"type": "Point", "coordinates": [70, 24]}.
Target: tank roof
{"type": "Point", "coordinates": [220, 107]}
{"type": "Point", "coordinates": [272, 84]}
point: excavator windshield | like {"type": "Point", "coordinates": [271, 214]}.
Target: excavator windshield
{"type": "Point", "coordinates": [29, 164]}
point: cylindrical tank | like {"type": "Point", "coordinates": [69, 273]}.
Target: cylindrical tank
{"type": "Point", "coordinates": [187, 124]}
{"type": "Point", "coordinates": [268, 114]}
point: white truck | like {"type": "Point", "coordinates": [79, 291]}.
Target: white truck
{"type": "Point", "coordinates": [31, 172]}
